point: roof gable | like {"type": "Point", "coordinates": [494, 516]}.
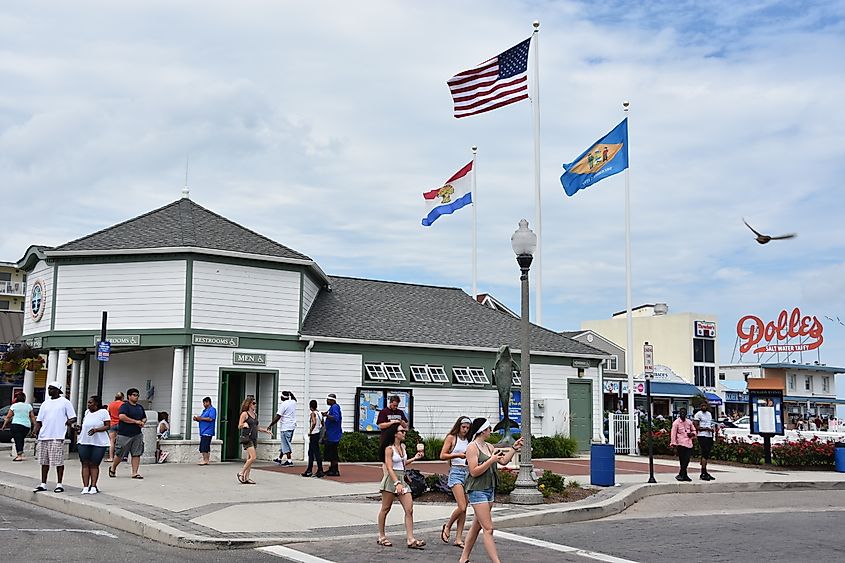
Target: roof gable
{"type": "Point", "coordinates": [382, 311]}
{"type": "Point", "coordinates": [180, 224]}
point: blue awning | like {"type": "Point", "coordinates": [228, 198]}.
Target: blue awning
{"type": "Point", "coordinates": [713, 398]}
{"type": "Point", "coordinates": [671, 389]}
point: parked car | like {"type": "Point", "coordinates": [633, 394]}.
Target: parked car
{"type": "Point", "coordinates": [6, 435]}
{"type": "Point", "coordinates": [727, 423]}
{"type": "Point", "coordinates": [743, 422]}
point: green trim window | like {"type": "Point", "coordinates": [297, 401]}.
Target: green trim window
{"type": "Point", "coordinates": [470, 375]}
{"type": "Point", "coordinates": [429, 374]}
{"type": "Point", "coordinates": [384, 371]}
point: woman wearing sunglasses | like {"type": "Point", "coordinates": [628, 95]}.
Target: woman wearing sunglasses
{"type": "Point", "coordinates": [395, 457]}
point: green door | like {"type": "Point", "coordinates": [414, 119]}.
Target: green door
{"type": "Point", "coordinates": [231, 395]}
{"type": "Point", "coordinates": [581, 413]}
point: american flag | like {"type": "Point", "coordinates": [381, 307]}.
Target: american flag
{"type": "Point", "coordinates": [494, 83]}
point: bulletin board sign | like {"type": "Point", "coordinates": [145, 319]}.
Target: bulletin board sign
{"type": "Point", "coordinates": [766, 410]}
{"type": "Point", "coordinates": [369, 401]}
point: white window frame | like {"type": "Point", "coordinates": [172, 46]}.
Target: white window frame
{"type": "Point", "coordinates": [381, 371]}
{"type": "Point", "coordinates": [375, 371]}
{"type": "Point", "coordinates": [438, 374]}
{"type": "Point", "coordinates": [612, 363]}
{"type": "Point", "coordinates": [792, 381]}
{"type": "Point", "coordinates": [394, 371]}
{"type": "Point", "coordinates": [808, 383]}
{"type": "Point", "coordinates": [479, 376]}
{"type": "Point", "coordinates": [826, 384]}
{"type": "Point", "coordinates": [461, 375]}
{"type": "Point", "coordinates": [420, 374]}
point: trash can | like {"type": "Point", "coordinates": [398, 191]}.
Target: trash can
{"type": "Point", "coordinates": [839, 456]}
{"type": "Point", "coordinates": [603, 464]}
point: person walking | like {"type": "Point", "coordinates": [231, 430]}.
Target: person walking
{"type": "Point", "coordinates": [162, 433]}
{"type": "Point", "coordinates": [395, 460]}
{"type": "Point", "coordinates": [22, 420]}
{"type": "Point", "coordinates": [248, 426]}
{"type": "Point", "coordinates": [683, 431]}
{"type": "Point", "coordinates": [130, 441]}
{"type": "Point", "coordinates": [114, 408]}
{"type": "Point", "coordinates": [315, 427]}
{"type": "Point", "coordinates": [334, 432]}
{"type": "Point", "coordinates": [706, 430]}
{"type": "Point", "coordinates": [287, 416]}
{"type": "Point", "coordinates": [93, 443]}
{"type": "Point", "coordinates": [482, 461]}
{"type": "Point", "coordinates": [55, 416]}
{"type": "Point", "coordinates": [206, 419]}
{"type": "Point", "coordinates": [454, 451]}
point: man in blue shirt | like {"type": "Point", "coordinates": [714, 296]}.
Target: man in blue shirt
{"type": "Point", "coordinates": [333, 434]}
{"type": "Point", "coordinates": [206, 420]}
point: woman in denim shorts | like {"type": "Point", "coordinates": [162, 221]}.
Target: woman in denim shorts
{"type": "Point", "coordinates": [454, 451]}
{"type": "Point", "coordinates": [481, 483]}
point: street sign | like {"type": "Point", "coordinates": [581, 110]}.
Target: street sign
{"type": "Point", "coordinates": [103, 351]}
{"type": "Point", "coordinates": [648, 360]}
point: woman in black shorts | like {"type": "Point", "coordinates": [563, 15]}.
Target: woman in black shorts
{"type": "Point", "coordinates": [93, 443]}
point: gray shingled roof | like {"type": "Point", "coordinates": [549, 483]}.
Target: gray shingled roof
{"type": "Point", "coordinates": [182, 223]}
{"type": "Point", "coordinates": [375, 310]}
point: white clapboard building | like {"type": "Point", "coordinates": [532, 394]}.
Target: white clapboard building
{"type": "Point", "coordinates": [198, 306]}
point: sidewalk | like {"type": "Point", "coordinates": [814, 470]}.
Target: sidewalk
{"type": "Point", "coordinates": [206, 507]}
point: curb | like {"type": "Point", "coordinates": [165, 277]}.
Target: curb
{"type": "Point", "coordinates": [127, 521]}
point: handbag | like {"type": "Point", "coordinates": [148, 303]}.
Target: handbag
{"type": "Point", "coordinates": [245, 437]}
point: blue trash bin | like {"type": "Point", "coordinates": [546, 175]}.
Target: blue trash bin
{"type": "Point", "coordinates": [603, 465]}
{"type": "Point", "coordinates": [839, 457]}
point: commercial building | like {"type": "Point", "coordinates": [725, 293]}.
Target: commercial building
{"type": "Point", "coordinates": [201, 306]}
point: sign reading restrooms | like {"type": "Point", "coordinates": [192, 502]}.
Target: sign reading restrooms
{"type": "Point", "coordinates": [759, 337]}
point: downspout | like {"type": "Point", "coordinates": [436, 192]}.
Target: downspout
{"type": "Point", "coordinates": [307, 399]}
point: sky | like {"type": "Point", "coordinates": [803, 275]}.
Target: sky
{"type": "Point", "coordinates": [320, 124]}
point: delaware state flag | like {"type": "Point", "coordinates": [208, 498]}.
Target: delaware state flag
{"type": "Point", "coordinates": [455, 193]}
{"type": "Point", "coordinates": [607, 156]}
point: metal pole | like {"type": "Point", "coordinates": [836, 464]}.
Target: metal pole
{"type": "Point", "coordinates": [102, 364]}
{"type": "Point", "coordinates": [535, 119]}
{"type": "Point", "coordinates": [651, 478]}
{"type": "Point", "coordinates": [526, 491]}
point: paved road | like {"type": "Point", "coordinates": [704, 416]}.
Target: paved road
{"type": "Point", "coordinates": [771, 527]}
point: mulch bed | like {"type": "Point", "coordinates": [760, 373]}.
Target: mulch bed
{"type": "Point", "coordinates": [572, 494]}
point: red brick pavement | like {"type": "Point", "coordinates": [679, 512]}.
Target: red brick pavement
{"type": "Point", "coordinates": [371, 472]}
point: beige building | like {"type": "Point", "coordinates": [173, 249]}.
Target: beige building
{"type": "Point", "coordinates": [12, 287]}
{"type": "Point", "coordinates": [684, 342]}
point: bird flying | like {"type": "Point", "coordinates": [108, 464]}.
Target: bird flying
{"type": "Point", "coordinates": [763, 239]}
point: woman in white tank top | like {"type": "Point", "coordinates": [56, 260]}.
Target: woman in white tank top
{"type": "Point", "coordinates": [454, 450]}
{"type": "Point", "coordinates": [394, 461]}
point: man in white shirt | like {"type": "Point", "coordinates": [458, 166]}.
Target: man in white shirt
{"type": "Point", "coordinates": [54, 417]}
{"type": "Point", "coordinates": [706, 429]}
{"type": "Point", "coordinates": [286, 417]}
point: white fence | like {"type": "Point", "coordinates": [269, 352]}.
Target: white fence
{"type": "Point", "coordinates": [619, 433]}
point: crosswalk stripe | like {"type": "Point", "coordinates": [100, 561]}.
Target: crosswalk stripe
{"type": "Point", "coordinates": [562, 548]}
{"type": "Point", "coordinates": [292, 554]}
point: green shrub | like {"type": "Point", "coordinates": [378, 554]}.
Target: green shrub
{"type": "Point", "coordinates": [356, 446]}
{"type": "Point", "coordinates": [432, 448]}
{"type": "Point", "coordinates": [507, 482]}
{"type": "Point", "coordinates": [553, 446]}
{"type": "Point", "coordinates": [412, 438]}
{"type": "Point", "coordinates": [431, 481]}
{"type": "Point", "coordinates": [573, 484]}
{"type": "Point", "coordinates": [551, 483]}
{"type": "Point", "coordinates": [494, 438]}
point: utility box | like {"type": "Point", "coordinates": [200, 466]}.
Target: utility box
{"type": "Point", "coordinates": [555, 419]}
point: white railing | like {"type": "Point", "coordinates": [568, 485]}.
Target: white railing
{"type": "Point", "coordinates": [12, 288]}
{"type": "Point", "coordinates": [619, 433]}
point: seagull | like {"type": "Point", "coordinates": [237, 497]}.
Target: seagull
{"type": "Point", "coordinates": [763, 239]}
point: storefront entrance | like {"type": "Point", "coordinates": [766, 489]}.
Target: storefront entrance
{"type": "Point", "coordinates": [235, 387]}
{"type": "Point", "coordinates": [581, 413]}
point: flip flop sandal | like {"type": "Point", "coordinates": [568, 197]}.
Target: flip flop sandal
{"type": "Point", "coordinates": [249, 482]}
{"type": "Point", "coordinates": [137, 477]}
{"type": "Point", "coordinates": [384, 542]}
{"type": "Point", "coordinates": [459, 544]}
{"type": "Point", "coordinates": [240, 479]}
{"type": "Point", "coordinates": [112, 474]}
{"type": "Point", "coordinates": [444, 534]}
{"type": "Point", "coordinates": [416, 544]}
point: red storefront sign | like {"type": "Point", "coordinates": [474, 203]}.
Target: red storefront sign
{"type": "Point", "coordinates": [752, 332]}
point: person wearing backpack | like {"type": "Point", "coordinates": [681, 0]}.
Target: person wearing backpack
{"type": "Point", "coordinates": [395, 460]}
{"type": "Point", "coordinates": [316, 430]}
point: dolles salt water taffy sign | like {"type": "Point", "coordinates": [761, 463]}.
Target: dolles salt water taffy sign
{"type": "Point", "coordinates": [767, 337]}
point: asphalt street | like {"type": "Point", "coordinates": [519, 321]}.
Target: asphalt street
{"type": "Point", "coordinates": [771, 527]}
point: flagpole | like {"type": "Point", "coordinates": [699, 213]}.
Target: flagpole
{"type": "Point", "coordinates": [474, 229]}
{"type": "Point", "coordinates": [629, 351]}
{"type": "Point", "coordinates": [538, 223]}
